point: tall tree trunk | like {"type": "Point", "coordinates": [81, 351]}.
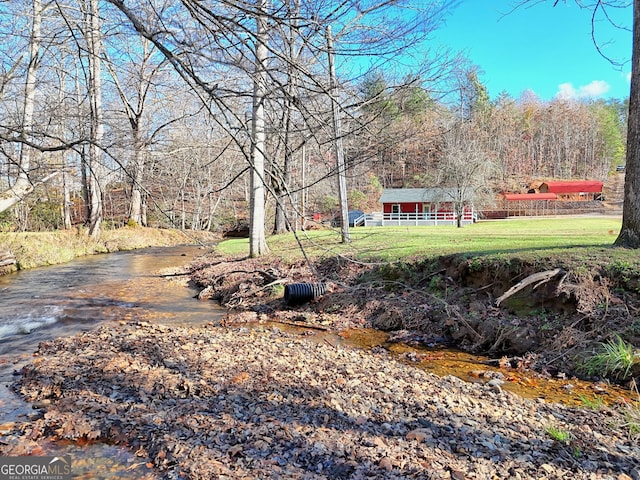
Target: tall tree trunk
{"type": "Point", "coordinates": [257, 238]}
{"type": "Point", "coordinates": [282, 176]}
{"type": "Point", "coordinates": [96, 168]}
{"type": "Point", "coordinates": [136, 209]}
{"type": "Point", "coordinates": [66, 201]}
{"type": "Point", "coordinates": [630, 232]}
{"type": "Point", "coordinates": [61, 127]}
{"type": "Point", "coordinates": [281, 225]}
{"type": "Point", "coordinates": [337, 140]}
{"type": "Point", "coordinates": [84, 172]}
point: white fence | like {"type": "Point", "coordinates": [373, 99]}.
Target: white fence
{"type": "Point", "coordinates": [379, 219]}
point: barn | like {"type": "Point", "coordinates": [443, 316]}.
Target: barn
{"type": "Point", "coordinates": [574, 189]}
{"type": "Point", "coordinates": [552, 197]}
{"type": "Point", "coordinates": [421, 206]}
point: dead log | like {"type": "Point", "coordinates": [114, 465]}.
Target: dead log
{"type": "Point", "coordinates": [538, 278]}
{"type": "Point", "coordinates": [6, 258]}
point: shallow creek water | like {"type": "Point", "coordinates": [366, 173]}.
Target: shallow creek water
{"type": "Point", "coordinates": [46, 303]}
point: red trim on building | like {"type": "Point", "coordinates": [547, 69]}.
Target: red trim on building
{"type": "Point", "coordinates": [572, 186]}
{"type": "Point", "coordinates": [512, 197]}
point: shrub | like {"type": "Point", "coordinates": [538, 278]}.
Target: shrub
{"type": "Point", "coordinates": [44, 216]}
{"type": "Point", "coordinates": [616, 357]}
{"type": "Point", "coordinates": [7, 222]}
{"type": "Point", "coordinates": [558, 434]}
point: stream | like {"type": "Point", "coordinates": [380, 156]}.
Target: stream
{"type": "Point", "coordinates": [45, 303]}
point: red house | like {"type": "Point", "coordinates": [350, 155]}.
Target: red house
{"type": "Point", "coordinates": [423, 206]}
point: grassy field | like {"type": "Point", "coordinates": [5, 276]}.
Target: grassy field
{"type": "Point", "coordinates": [579, 240]}
{"type": "Point", "coordinates": [528, 238]}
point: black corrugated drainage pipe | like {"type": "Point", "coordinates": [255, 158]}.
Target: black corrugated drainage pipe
{"type": "Point", "coordinates": [299, 293]}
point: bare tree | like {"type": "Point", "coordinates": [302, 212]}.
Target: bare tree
{"type": "Point", "coordinates": [281, 174]}
{"type": "Point", "coordinates": [95, 164]}
{"type": "Point", "coordinates": [212, 46]}
{"type": "Point", "coordinates": [464, 169]}
{"type": "Point", "coordinates": [192, 34]}
{"type": "Point", "coordinates": [257, 240]}
{"type": "Point", "coordinates": [24, 184]}
{"type": "Point", "coordinates": [148, 109]}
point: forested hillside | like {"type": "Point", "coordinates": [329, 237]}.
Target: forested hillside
{"type": "Point", "coordinates": [116, 113]}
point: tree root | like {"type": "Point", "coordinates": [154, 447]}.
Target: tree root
{"type": "Point", "coordinates": [538, 278]}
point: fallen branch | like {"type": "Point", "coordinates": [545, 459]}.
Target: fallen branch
{"type": "Point", "coordinates": [275, 282]}
{"type": "Point", "coordinates": [538, 278]}
{"type": "Point", "coordinates": [293, 323]}
{"type": "Point", "coordinates": [270, 275]}
{"type": "Point", "coordinates": [174, 274]}
{"type": "Point", "coordinates": [468, 325]}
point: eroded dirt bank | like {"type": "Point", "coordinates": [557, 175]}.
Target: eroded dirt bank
{"type": "Point", "coordinates": [551, 325]}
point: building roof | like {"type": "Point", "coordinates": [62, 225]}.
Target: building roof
{"type": "Point", "coordinates": [572, 186]}
{"type": "Point", "coordinates": [512, 197]}
{"type": "Point", "coordinates": [419, 195]}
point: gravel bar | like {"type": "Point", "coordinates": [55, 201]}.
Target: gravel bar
{"type": "Point", "coordinates": [237, 403]}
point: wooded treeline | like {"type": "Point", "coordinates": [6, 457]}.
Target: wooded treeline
{"type": "Point", "coordinates": [161, 113]}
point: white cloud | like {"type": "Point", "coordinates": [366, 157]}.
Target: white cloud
{"type": "Point", "coordinates": [566, 91]}
{"type": "Point", "coordinates": [595, 89]}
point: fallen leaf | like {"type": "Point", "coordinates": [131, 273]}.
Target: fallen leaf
{"type": "Point", "coordinates": [385, 463]}
{"type": "Point", "coordinates": [240, 378]}
{"type": "Point", "coordinates": [418, 434]}
{"type": "Point", "coordinates": [233, 451]}
{"type": "Point", "coordinates": [458, 475]}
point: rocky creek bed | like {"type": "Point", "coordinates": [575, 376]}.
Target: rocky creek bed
{"type": "Point", "coordinates": [214, 402]}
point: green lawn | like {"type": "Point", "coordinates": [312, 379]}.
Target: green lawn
{"type": "Point", "coordinates": [513, 237]}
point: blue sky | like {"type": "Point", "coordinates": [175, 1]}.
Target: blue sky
{"type": "Point", "coordinates": [541, 48]}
